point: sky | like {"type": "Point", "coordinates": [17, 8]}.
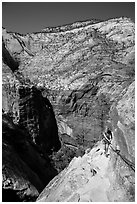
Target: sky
{"type": "Point", "coordinates": [27, 17]}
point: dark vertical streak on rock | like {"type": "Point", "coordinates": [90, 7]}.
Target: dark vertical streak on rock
{"type": "Point", "coordinates": [8, 59]}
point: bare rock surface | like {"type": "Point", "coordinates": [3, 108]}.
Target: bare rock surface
{"type": "Point", "coordinates": [30, 134]}
{"type": "Point", "coordinates": [94, 177]}
{"type": "Point", "coordinates": [123, 122]}
{"type": "Point", "coordinates": [25, 171]}
{"type": "Point", "coordinates": [84, 67]}
{"type": "Point", "coordinates": [75, 81]}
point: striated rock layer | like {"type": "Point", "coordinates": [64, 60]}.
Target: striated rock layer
{"type": "Point", "coordinates": [86, 70]}
{"type": "Point", "coordinates": [84, 66]}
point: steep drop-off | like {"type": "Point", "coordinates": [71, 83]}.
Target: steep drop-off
{"type": "Point", "coordinates": [30, 134]}
{"type": "Point", "coordinates": [86, 70]}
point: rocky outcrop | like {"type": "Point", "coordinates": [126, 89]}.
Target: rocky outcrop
{"type": "Point", "coordinates": [84, 66]}
{"type": "Point", "coordinates": [30, 134]}
{"type": "Point", "coordinates": [86, 70]}
{"type": "Point", "coordinates": [20, 182]}
{"type": "Point", "coordinates": [25, 169]}
{"type": "Point", "coordinates": [123, 122]}
{"type": "Point", "coordinates": [94, 177]}
{"type": "Point", "coordinates": [29, 108]}
{"type": "Point", "coordinates": [101, 176]}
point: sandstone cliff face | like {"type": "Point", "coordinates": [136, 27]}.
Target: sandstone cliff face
{"type": "Point", "coordinates": [92, 61]}
{"type": "Point", "coordinates": [28, 107]}
{"type": "Point", "coordinates": [86, 70]}
{"type": "Point", "coordinates": [123, 122]}
{"type": "Point", "coordinates": [30, 133]}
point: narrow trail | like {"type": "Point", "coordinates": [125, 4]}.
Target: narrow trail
{"type": "Point", "coordinates": [84, 180]}
{"type": "Point", "coordinates": [90, 178]}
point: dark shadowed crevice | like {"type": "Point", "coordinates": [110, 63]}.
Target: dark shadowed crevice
{"type": "Point", "coordinates": [8, 59]}
{"type": "Point", "coordinates": [9, 195]}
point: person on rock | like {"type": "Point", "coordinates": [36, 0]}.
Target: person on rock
{"type": "Point", "coordinates": [107, 139]}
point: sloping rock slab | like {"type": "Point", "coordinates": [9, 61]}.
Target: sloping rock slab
{"type": "Point", "coordinates": [91, 178]}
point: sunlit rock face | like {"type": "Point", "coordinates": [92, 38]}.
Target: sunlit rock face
{"type": "Point", "coordinates": [86, 70]}
{"type": "Point", "coordinates": [85, 66]}
{"type": "Point", "coordinates": [123, 122]}
{"type": "Point", "coordinates": [94, 177]}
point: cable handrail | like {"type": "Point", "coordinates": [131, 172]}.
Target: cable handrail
{"type": "Point", "coordinates": [127, 161]}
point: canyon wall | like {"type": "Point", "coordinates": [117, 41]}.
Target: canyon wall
{"type": "Point", "coordinates": [67, 85]}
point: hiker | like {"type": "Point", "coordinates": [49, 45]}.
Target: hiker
{"type": "Point", "coordinates": [107, 139]}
